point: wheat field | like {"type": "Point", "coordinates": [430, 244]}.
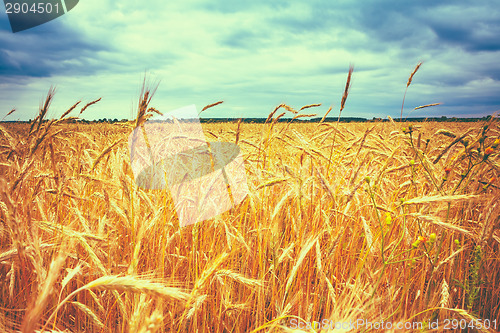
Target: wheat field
{"type": "Point", "coordinates": [380, 222]}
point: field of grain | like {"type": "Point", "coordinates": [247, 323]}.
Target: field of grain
{"type": "Point", "coordinates": [375, 222]}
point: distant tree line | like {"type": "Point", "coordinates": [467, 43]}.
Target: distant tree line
{"type": "Point", "coordinates": [284, 120]}
{"type": "Point", "coordinates": [345, 119]}
{"type": "Point", "coordinates": [96, 121]}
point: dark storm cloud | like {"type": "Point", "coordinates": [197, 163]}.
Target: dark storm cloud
{"type": "Point", "coordinates": [45, 51]}
{"type": "Point", "coordinates": [493, 72]}
{"type": "Point", "coordinates": [56, 52]}
{"type": "Point", "coordinates": [471, 26]}
{"type": "Point", "coordinates": [474, 36]}
{"type": "Point", "coordinates": [4, 21]}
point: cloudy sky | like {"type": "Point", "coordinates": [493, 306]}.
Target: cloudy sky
{"type": "Point", "coordinates": [257, 54]}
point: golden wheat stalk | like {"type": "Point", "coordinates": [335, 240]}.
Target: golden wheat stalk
{"type": "Point", "coordinates": [196, 305]}
{"type": "Point", "coordinates": [153, 323]}
{"type": "Point", "coordinates": [440, 198]}
{"type": "Point", "coordinates": [342, 105]}
{"type": "Point", "coordinates": [89, 104]}
{"type": "Point", "coordinates": [304, 116]}
{"type": "Point", "coordinates": [211, 106]}
{"type": "Point", "coordinates": [445, 295]}
{"type": "Point", "coordinates": [450, 145]}
{"type": "Point", "coordinates": [71, 274]}
{"type": "Point", "coordinates": [93, 317]}
{"type": "Point", "coordinates": [9, 113]}
{"type": "Point", "coordinates": [272, 182]}
{"type": "Point", "coordinates": [437, 221]}
{"type": "Point", "coordinates": [490, 221]}
{"type": "Point", "coordinates": [326, 114]}
{"type": "Point", "coordinates": [145, 97]}
{"type": "Point", "coordinates": [238, 131]}
{"type": "Point", "coordinates": [413, 73]}
{"type": "Point", "coordinates": [450, 258]}
{"type": "Point", "coordinates": [251, 283]}
{"type": "Point", "coordinates": [309, 106]}
{"type": "Point", "coordinates": [426, 106]}
{"type": "Point", "coordinates": [323, 275]}
{"type": "Point", "coordinates": [70, 109]}
{"type": "Point", "coordinates": [207, 273]}
{"type": "Point", "coordinates": [302, 255]}
{"type": "Point", "coordinates": [346, 89]}
{"type": "Point", "coordinates": [43, 111]}
{"type": "Point", "coordinates": [126, 284]}
{"type": "Point", "coordinates": [278, 118]}
{"type": "Point", "coordinates": [407, 85]}
{"type": "Point", "coordinates": [289, 108]}
{"type": "Point", "coordinates": [35, 312]}
{"type": "Point", "coordinates": [104, 153]}
{"type": "Point", "coordinates": [271, 115]}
